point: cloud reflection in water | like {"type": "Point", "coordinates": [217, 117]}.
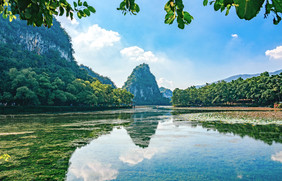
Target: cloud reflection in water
{"type": "Point", "coordinates": [135, 156]}
{"type": "Point", "coordinates": [277, 157]}
{"type": "Point", "coordinates": [92, 170]}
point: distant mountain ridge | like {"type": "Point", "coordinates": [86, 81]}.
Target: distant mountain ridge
{"type": "Point", "coordinates": [243, 76]}
{"type": "Point", "coordinates": [246, 76]}
{"type": "Point", "coordinates": [143, 85]}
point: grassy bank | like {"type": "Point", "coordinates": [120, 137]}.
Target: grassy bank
{"type": "Point", "coordinates": [53, 109]}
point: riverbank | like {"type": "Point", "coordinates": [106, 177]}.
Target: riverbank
{"type": "Point", "coordinates": [229, 108]}
{"type": "Point", "coordinates": [54, 109]}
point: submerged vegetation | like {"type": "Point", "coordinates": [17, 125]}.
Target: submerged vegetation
{"type": "Point", "coordinates": [263, 90]}
{"type": "Point", "coordinates": [255, 118]}
{"type": "Point", "coordinates": [40, 146]}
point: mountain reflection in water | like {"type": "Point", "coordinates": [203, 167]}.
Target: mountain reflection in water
{"type": "Point", "coordinates": [154, 147]}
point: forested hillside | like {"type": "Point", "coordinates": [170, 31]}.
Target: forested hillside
{"type": "Point", "coordinates": [38, 68]}
{"type": "Point", "coordinates": [263, 90]}
{"type": "Point", "coordinates": [102, 79]}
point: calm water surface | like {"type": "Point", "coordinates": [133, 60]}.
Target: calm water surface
{"type": "Point", "coordinates": [155, 147]}
{"type": "Point", "coordinates": [140, 144]}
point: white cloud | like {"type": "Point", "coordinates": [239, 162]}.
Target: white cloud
{"type": "Point", "coordinates": [162, 82]}
{"type": "Point", "coordinates": [136, 53]}
{"type": "Point", "coordinates": [234, 36]}
{"type": "Point", "coordinates": [275, 53]}
{"type": "Point", "coordinates": [69, 25]}
{"type": "Point", "coordinates": [277, 157]}
{"type": "Point", "coordinates": [66, 21]}
{"type": "Point", "coordinates": [95, 38]}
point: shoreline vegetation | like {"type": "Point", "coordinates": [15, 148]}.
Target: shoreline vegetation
{"type": "Point", "coordinates": [263, 90]}
{"type": "Point", "coordinates": [230, 115]}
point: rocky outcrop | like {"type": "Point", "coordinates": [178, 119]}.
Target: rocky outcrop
{"type": "Point", "coordinates": [142, 84]}
{"type": "Point", "coordinates": [39, 40]}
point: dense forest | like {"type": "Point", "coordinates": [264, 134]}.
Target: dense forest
{"type": "Point", "coordinates": [37, 69]}
{"type": "Point", "coordinates": [263, 90]}
{"type": "Point", "coordinates": [30, 79]}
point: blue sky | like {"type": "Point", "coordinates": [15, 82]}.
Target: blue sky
{"type": "Point", "coordinates": [211, 48]}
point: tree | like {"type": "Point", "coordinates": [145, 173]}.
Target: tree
{"type": "Point", "coordinates": [25, 96]}
{"type": "Point", "coordinates": [41, 12]}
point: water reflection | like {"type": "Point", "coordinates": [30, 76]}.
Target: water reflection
{"type": "Point", "coordinates": [93, 170]}
{"type": "Point", "coordinates": [267, 133]}
{"type": "Point", "coordinates": [277, 157]}
{"type": "Point", "coordinates": [156, 147]}
{"type": "Point", "coordinates": [142, 128]}
{"type": "Point", "coordinates": [142, 143]}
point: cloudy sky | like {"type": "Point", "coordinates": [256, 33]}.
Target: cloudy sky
{"type": "Point", "coordinates": [211, 48]}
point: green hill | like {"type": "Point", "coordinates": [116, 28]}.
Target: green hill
{"type": "Point", "coordinates": [38, 68]}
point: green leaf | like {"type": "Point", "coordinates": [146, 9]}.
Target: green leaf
{"type": "Point", "coordinates": [179, 4]}
{"type": "Point", "coordinates": [10, 18]}
{"type": "Point", "coordinates": [4, 16]}
{"type": "Point", "coordinates": [75, 4]}
{"type": "Point", "coordinates": [179, 13]}
{"type": "Point", "coordinates": [217, 6]}
{"type": "Point", "coordinates": [137, 9]}
{"type": "Point", "coordinates": [79, 3]}
{"type": "Point", "coordinates": [228, 9]}
{"type": "Point", "coordinates": [61, 10]}
{"type": "Point", "coordinates": [205, 2]}
{"type": "Point", "coordinates": [277, 5]}
{"type": "Point", "coordinates": [122, 5]}
{"type": "Point", "coordinates": [276, 21]}
{"type": "Point", "coordinates": [187, 17]}
{"type": "Point", "coordinates": [85, 4]}
{"type": "Point", "coordinates": [90, 8]}
{"type": "Point", "coordinates": [180, 22]}
{"type": "Point", "coordinates": [170, 19]}
{"type": "Point", "coordinates": [71, 15]}
{"type": "Point", "coordinates": [167, 7]}
{"type": "Point", "coordinates": [248, 9]}
{"type": "Point", "coordinates": [79, 15]}
{"type": "Point", "coordinates": [87, 12]}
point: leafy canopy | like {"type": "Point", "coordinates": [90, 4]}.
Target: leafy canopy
{"type": "Point", "coordinates": [41, 12]}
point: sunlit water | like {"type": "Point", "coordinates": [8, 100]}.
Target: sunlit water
{"type": "Point", "coordinates": [156, 147]}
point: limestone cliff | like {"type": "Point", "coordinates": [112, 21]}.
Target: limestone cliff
{"type": "Point", "coordinates": [37, 39]}
{"type": "Point", "coordinates": [142, 84]}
